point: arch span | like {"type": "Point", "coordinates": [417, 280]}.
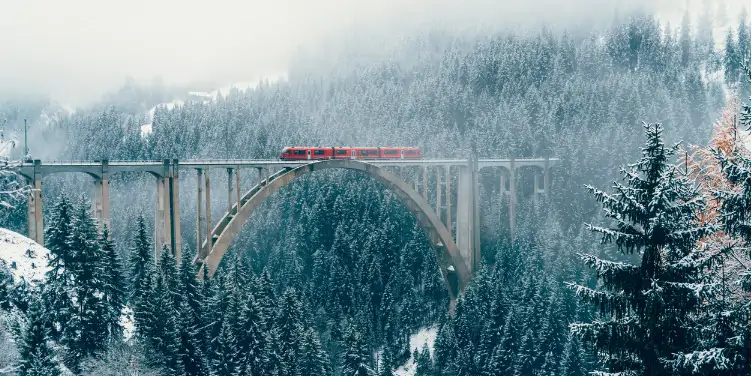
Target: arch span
{"type": "Point", "coordinates": [453, 267]}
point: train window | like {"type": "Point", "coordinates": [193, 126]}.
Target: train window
{"type": "Point", "coordinates": [299, 152]}
{"type": "Point", "coordinates": [341, 152]}
{"type": "Point", "coordinates": [318, 152]}
{"type": "Point", "coordinates": [392, 152]}
{"type": "Point", "coordinates": [366, 152]}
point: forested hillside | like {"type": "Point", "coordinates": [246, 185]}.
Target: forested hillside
{"type": "Point", "coordinates": [334, 269]}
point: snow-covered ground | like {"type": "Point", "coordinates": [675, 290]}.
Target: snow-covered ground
{"type": "Point", "coordinates": [26, 259]}
{"type": "Point", "coordinates": [417, 340]}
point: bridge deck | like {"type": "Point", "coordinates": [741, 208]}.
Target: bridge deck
{"type": "Point", "coordinates": [96, 168]}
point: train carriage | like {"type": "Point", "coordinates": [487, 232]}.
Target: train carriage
{"type": "Point", "coordinates": [316, 153]}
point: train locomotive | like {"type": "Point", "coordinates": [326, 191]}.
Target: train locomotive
{"type": "Point", "coordinates": [314, 153]}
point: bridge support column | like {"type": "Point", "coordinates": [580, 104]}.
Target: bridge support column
{"type": "Point", "coordinates": [167, 217]}
{"type": "Point", "coordinates": [200, 254]}
{"type": "Point", "coordinates": [467, 216]}
{"type": "Point", "coordinates": [425, 183]}
{"type": "Point", "coordinates": [512, 199]}
{"type": "Point", "coordinates": [176, 240]}
{"type": "Point", "coordinates": [160, 219]}
{"type": "Point", "coordinates": [448, 195]}
{"type": "Point", "coordinates": [536, 187]}
{"type": "Point", "coordinates": [237, 188]}
{"type": "Point", "coordinates": [209, 238]}
{"type": "Point", "coordinates": [546, 179]}
{"type": "Point", "coordinates": [438, 192]}
{"type": "Point", "coordinates": [34, 210]}
{"type": "Point", "coordinates": [476, 216]}
{"type": "Point", "coordinates": [102, 198]}
{"type": "Point", "coordinates": [229, 191]}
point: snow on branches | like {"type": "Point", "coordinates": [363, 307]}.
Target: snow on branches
{"type": "Point", "coordinates": [11, 190]}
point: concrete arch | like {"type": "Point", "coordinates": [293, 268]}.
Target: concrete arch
{"type": "Point", "coordinates": [453, 267]}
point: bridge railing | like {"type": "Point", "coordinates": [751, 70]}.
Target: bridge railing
{"type": "Point", "coordinates": [266, 161]}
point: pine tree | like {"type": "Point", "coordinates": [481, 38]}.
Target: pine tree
{"type": "Point", "coordinates": [423, 362]}
{"type": "Point", "coordinates": [143, 309]}
{"type": "Point", "coordinates": [169, 272]}
{"type": "Point", "coordinates": [525, 361]}
{"type": "Point", "coordinates": [291, 327]}
{"type": "Point", "coordinates": [114, 294]}
{"type": "Point", "coordinates": [723, 334]}
{"type": "Point", "coordinates": [60, 277]}
{"type": "Point", "coordinates": [385, 368]}
{"type": "Point", "coordinates": [646, 305]}
{"type": "Point", "coordinates": [192, 337]}
{"type": "Point", "coordinates": [252, 336]}
{"type": "Point", "coordinates": [731, 59]}
{"type": "Point", "coordinates": [192, 357]}
{"type": "Point", "coordinates": [163, 326]}
{"type": "Point", "coordinates": [355, 358]}
{"type": "Point", "coordinates": [86, 332]}
{"type": "Point", "coordinates": [445, 350]}
{"type": "Point", "coordinates": [226, 358]}
{"type": "Point", "coordinates": [315, 360]}
{"type": "Point", "coordinates": [743, 40]}
{"type": "Point", "coordinates": [6, 289]}
{"type": "Point", "coordinates": [572, 363]}
{"type": "Point", "coordinates": [141, 259]}
{"type": "Point", "coordinates": [37, 357]}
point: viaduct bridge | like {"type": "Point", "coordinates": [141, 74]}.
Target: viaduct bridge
{"type": "Point", "coordinates": [458, 255]}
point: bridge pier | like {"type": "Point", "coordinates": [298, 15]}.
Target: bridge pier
{"type": "Point", "coordinates": [546, 178]}
{"type": "Point", "coordinates": [167, 211]}
{"type": "Point", "coordinates": [207, 202]}
{"type": "Point", "coordinates": [448, 195]}
{"type": "Point", "coordinates": [102, 198]}
{"type": "Point", "coordinates": [512, 200]}
{"type": "Point", "coordinates": [229, 191]}
{"type": "Point", "coordinates": [34, 205]}
{"type": "Point", "coordinates": [438, 192]}
{"type": "Point", "coordinates": [199, 216]}
{"type": "Point", "coordinates": [468, 224]}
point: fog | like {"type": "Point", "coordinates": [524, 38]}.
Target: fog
{"type": "Point", "coordinates": [75, 50]}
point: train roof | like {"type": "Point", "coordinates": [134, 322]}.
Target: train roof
{"type": "Point", "coordinates": [354, 147]}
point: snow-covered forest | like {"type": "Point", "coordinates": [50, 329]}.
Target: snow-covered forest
{"type": "Point", "coordinates": [637, 264]}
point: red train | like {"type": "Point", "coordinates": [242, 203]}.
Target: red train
{"type": "Point", "coordinates": [304, 152]}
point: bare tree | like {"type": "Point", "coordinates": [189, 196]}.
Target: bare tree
{"type": "Point", "coordinates": [12, 188]}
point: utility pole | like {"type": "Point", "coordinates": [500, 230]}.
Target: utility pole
{"type": "Point", "coordinates": [26, 140]}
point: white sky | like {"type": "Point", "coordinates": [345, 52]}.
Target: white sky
{"type": "Point", "coordinates": [76, 49]}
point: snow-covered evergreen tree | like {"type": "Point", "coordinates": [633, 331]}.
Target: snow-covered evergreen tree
{"type": "Point", "coordinates": [226, 358]}
{"type": "Point", "coordinates": [572, 363]}
{"type": "Point", "coordinates": [192, 337]}
{"type": "Point", "coordinates": [645, 307]}
{"type": "Point", "coordinates": [59, 279]}
{"type": "Point", "coordinates": [723, 324]}
{"type": "Point", "coordinates": [355, 357]}
{"type": "Point", "coordinates": [114, 293]}
{"type": "Point", "coordinates": [37, 357]}
{"type": "Point", "coordinates": [140, 260]}
{"type": "Point", "coordinates": [423, 362]}
{"type": "Point", "coordinates": [314, 360]}
{"type": "Point", "coordinates": [86, 332]}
